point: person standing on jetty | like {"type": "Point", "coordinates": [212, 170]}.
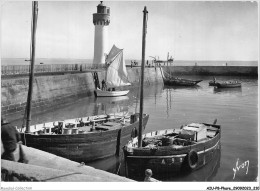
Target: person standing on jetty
{"type": "Point", "coordinates": [10, 137]}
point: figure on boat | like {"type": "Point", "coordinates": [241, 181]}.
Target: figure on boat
{"type": "Point", "coordinates": [104, 85]}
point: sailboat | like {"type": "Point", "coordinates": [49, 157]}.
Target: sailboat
{"type": "Point", "coordinates": [172, 81]}
{"type": "Point", "coordinates": [170, 150]}
{"type": "Point", "coordinates": [169, 80]}
{"type": "Point", "coordinates": [82, 139]}
{"type": "Point", "coordinates": [116, 75]}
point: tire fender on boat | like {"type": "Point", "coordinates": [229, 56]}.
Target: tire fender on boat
{"type": "Point", "coordinates": [192, 159]}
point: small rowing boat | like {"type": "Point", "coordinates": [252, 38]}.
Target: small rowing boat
{"type": "Point", "coordinates": [225, 84]}
{"type": "Point", "coordinates": [228, 84]}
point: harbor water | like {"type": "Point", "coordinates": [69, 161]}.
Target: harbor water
{"type": "Point", "coordinates": [236, 110]}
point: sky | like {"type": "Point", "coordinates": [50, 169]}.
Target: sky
{"type": "Point", "coordinates": [188, 30]}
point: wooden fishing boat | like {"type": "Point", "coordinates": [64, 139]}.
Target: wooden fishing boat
{"type": "Point", "coordinates": [228, 84]}
{"type": "Point", "coordinates": [116, 75]}
{"type": "Point", "coordinates": [84, 139]}
{"type": "Point", "coordinates": [180, 82]}
{"type": "Point", "coordinates": [172, 150]}
{"type": "Point", "coordinates": [172, 81]}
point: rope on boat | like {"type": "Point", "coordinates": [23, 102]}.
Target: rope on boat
{"type": "Point", "coordinates": [120, 164]}
{"type": "Point", "coordinates": [166, 73]}
{"type": "Point", "coordinates": [61, 176]}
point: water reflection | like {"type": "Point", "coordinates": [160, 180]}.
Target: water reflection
{"type": "Point", "coordinates": [196, 87]}
{"type": "Point", "coordinates": [112, 164]}
{"type": "Point", "coordinates": [237, 90]}
{"type": "Point", "coordinates": [108, 105]}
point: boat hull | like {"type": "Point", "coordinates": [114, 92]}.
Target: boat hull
{"type": "Point", "coordinates": [169, 160]}
{"type": "Point", "coordinates": [171, 81]}
{"type": "Point", "coordinates": [228, 85]}
{"type": "Point", "coordinates": [84, 147]}
{"type": "Point", "coordinates": [180, 82]}
{"type": "Point", "coordinates": [101, 93]}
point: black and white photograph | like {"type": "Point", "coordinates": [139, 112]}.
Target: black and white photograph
{"type": "Point", "coordinates": [99, 93]}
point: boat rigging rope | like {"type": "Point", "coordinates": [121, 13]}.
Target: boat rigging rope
{"type": "Point", "coordinates": [120, 164]}
{"type": "Point", "coordinates": [62, 176]}
{"type": "Point", "coordinates": [168, 74]}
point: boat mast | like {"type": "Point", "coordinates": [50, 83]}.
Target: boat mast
{"type": "Point", "coordinates": [142, 79]}
{"type": "Point", "coordinates": [31, 79]}
{"type": "Point", "coordinates": [167, 62]}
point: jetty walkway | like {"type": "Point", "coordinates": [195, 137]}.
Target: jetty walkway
{"type": "Point", "coordinates": [46, 167]}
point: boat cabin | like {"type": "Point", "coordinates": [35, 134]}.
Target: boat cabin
{"type": "Point", "coordinates": [194, 131]}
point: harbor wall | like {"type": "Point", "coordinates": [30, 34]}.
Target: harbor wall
{"type": "Point", "coordinates": [53, 90]}
{"type": "Point", "coordinates": [213, 70]}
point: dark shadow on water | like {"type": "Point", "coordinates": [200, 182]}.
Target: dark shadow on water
{"type": "Point", "coordinates": [111, 99]}
{"type": "Point", "coordinates": [110, 164]}
{"type": "Point", "coordinates": [196, 87]}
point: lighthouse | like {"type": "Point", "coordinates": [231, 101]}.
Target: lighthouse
{"type": "Point", "coordinates": [101, 20]}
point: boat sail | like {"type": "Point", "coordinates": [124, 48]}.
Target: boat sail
{"type": "Point", "coordinates": [116, 74]}
{"type": "Point", "coordinates": [82, 139]}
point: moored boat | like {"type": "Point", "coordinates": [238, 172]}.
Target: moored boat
{"type": "Point", "coordinates": [180, 82]}
{"type": "Point", "coordinates": [228, 84]}
{"type": "Point", "coordinates": [110, 93]}
{"type": "Point", "coordinates": [116, 75]}
{"type": "Point", "coordinates": [84, 139]}
{"type": "Point", "coordinates": [172, 81]}
{"type": "Point", "coordinates": [172, 150]}
{"type": "Point", "coordinates": [224, 84]}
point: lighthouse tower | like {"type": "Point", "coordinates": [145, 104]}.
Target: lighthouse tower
{"type": "Point", "coordinates": [101, 20]}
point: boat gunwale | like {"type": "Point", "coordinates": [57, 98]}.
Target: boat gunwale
{"type": "Point", "coordinates": [171, 156]}
{"type": "Point", "coordinates": [119, 126]}
{"type": "Point", "coordinates": [170, 148]}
